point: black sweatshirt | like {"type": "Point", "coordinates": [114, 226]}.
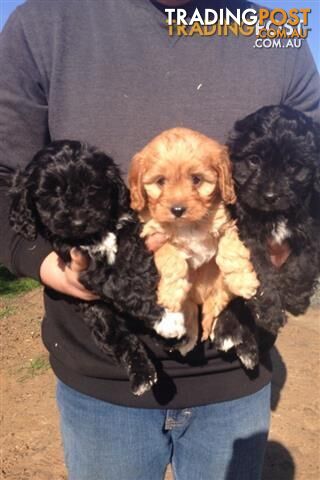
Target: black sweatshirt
{"type": "Point", "coordinates": [107, 72]}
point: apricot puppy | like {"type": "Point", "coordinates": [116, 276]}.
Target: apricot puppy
{"type": "Point", "coordinates": [180, 184]}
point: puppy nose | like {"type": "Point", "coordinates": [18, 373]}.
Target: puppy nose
{"type": "Point", "coordinates": [178, 210]}
{"type": "Point", "coordinates": [269, 196]}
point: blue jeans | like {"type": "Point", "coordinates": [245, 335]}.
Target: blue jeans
{"type": "Point", "coordinates": [223, 441]}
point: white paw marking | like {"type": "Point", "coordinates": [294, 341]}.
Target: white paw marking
{"type": "Point", "coordinates": [247, 361]}
{"type": "Point", "coordinates": [171, 325]}
{"type": "Point", "coordinates": [227, 344]}
{"type": "Point", "coordinates": [145, 387]}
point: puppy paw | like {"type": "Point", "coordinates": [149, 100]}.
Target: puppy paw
{"type": "Point", "coordinates": [226, 332]}
{"type": "Point", "coordinates": [150, 228]}
{"type": "Point", "coordinates": [247, 291]}
{"type": "Point", "coordinates": [171, 325]}
{"type": "Point", "coordinates": [186, 345]}
{"type": "Point", "coordinates": [142, 382]}
{"type": "Point", "coordinates": [243, 285]}
{"type": "Point", "coordinates": [224, 344]}
{"type": "Point", "coordinates": [173, 301]}
{"type": "Point", "coordinates": [246, 348]}
{"type": "Point", "coordinates": [229, 332]}
{"type": "Point", "coordinates": [248, 354]}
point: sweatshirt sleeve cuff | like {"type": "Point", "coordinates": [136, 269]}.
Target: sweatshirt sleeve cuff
{"type": "Point", "coordinates": [28, 257]}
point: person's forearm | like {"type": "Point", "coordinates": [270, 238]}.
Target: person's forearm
{"type": "Point", "coordinates": [23, 130]}
{"type": "Point", "coordinates": [20, 256]}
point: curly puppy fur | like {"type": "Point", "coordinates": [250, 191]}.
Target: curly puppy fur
{"type": "Point", "coordinates": [180, 184]}
{"type": "Point", "coordinates": [73, 195]}
{"type": "Point", "coordinates": [276, 169]}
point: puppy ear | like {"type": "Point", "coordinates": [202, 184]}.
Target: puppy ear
{"type": "Point", "coordinates": [123, 194]}
{"type": "Point", "coordinates": [223, 167]}
{"type": "Point", "coordinates": [22, 213]}
{"type": "Point", "coordinates": [137, 193]}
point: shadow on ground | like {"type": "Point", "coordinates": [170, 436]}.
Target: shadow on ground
{"type": "Point", "coordinates": [279, 376]}
{"type": "Point", "coordinates": [279, 463]}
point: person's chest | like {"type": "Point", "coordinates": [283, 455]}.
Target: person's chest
{"type": "Point", "coordinates": [118, 91]}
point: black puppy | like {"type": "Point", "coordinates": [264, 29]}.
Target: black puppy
{"type": "Point", "coordinates": [276, 168]}
{"type": "Point", "coordinates": [73, 195]}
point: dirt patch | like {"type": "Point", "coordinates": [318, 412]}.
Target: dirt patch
{"type": "Point", "coordinates": [30, 441]}
{"type": "Point", "coordinates": [29, 434]}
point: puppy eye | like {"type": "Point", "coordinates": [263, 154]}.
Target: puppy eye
{"type": "Point", "coordinates": [254, 160]}
{"type": "Point", "coordinates": [196, 179]}
{"type": "Point", "coordinates": [160, 181]}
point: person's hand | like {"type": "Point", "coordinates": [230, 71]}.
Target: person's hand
{"type": "Point", "coordinates": [55, 274]}
{"type": "Point", "coordinates": [155, 241]}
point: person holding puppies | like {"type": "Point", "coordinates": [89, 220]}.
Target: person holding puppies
{"type": "Point", "coordinates": [88, 71]}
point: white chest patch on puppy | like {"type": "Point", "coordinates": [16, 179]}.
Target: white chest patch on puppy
{"type": "Point", "coordinates": [198, 246]}
{"type": "Point", "coordinates": [107, 247]}
{"type": "Point", "coordinates": [280, 232]}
